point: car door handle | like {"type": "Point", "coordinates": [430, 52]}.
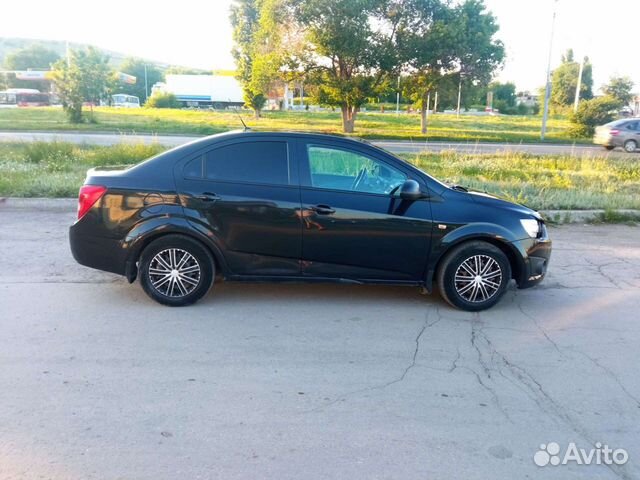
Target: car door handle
{"type": "Point", "coordinates": [208, 197]}
{"type": "Point", "coordinates": [323, 209]}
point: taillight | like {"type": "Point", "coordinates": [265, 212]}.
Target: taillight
{"type": "Point", "coordinates": [89, 194]}
{"type": "Point", "coordinates": [614, 132]}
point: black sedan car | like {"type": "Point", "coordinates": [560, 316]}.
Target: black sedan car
{"type": "Point", "coordinates": [259, 206]}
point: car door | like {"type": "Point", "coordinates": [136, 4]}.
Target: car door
{"type": "Point", "coordinates": [354, 226]}
{"type": "Point", "coordinates": [633, 132]}
{"type": "Point", "coordinates": [245, 193]}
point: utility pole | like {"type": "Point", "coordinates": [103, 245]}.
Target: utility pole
{"type": "Point", "coordinates": [578, 86]}
{"type": "Point", "coordinates": [398, 98]}
{"type": "Point", "coordinates": [459, 95]}
{"type": "Point", "coordinates": [146, 85]}
{"type": "Point", "coordinates": [301, 95]}
{"type": "Point", "coordinates": [435, 104]}
{"type": "Point", "coordinates": [547, 90]}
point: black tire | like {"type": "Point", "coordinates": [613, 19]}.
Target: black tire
{"type": "Point", "coordinates": [452, 265]}
{"type": "Point", "coordinates": [630, 146]}
{"type": "Point", "coordinates": [183, 288]}
{"type": "Point", "coordinates": [609, 147]}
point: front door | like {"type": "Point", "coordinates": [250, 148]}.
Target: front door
{"type": "Point", "coordinates": [245, 193]}
{"type": "Point", "coordinates": [354, 224]}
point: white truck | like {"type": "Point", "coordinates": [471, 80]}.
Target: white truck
{"type": "Point", "coordinates": [217, 91]}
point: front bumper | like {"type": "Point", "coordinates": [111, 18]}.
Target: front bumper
{"type": "Point", "coordinates": [535, 253]}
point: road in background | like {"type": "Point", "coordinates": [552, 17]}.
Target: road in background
{"type": "Point", "coordinates": [395, 146]}
{"type": "Point", "coordinates": [316, 381]}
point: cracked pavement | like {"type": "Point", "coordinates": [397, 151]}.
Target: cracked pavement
{"type": "Point", "coordinates": [314, 381]}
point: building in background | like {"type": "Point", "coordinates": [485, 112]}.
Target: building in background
{"type": "Point", "coordinates": [217, 91]}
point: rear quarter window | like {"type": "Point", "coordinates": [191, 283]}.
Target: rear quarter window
{"type": "Point", "coordinates": [193, 169]}
{"type": "Point", "coordinates": [251, 162]}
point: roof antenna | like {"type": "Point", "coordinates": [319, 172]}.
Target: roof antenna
{"type": "Point", "coordinates": [246, 129]}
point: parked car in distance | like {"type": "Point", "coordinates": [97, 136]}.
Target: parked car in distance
{"type": "Point", "coordinates": [122, 100]}
{"type": "Point", "coordinates": [623, 133]}
{"type": "Point", "coordinates": [260, 206]}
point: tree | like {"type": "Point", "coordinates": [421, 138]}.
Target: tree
{"type": "Point", "coordinates": [33, 57]}
{"type": "Point", "coordinates": [592, 113]}
{"type": "Point", "coordinates": [425, 43]}
{"type": "Point", "coordinates": [350, 50]}
{"type": "Point", "coordinates": [444, 45]}
{"type": "Point", "coordinates": [564, 81]}
{"type": "Point", "coordinates": [619, 88]}
{"type": "Point", "coordinates": [84, 78]}
{"type": "Point", "coordinates": [245, 18]}
{"type": "Point", "coordinates": [136, 67]}
{"type": "Point", "coordinates": [504, 92]}
{"type": "Point", "coordinates": [478, 53]}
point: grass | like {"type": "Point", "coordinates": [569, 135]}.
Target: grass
{"type": "Point", "coordinates": [613, 216]}
{"type": "Point", "coordinates": [58, 169]}
{"type": "Point", "coordinates": [372, 125]}
{"type": "Point", "coordinates": [542, 182]}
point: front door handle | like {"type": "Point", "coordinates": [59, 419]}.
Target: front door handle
{"type": "Point", "coordinates": [208, 197]}
{"type": "Point", "coordinates": [323, 209]}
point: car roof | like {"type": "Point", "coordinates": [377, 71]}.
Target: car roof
{"type": "Point", "coordinates": [194, 146]}
{"type": "Point", "coordinates": [211, 140]}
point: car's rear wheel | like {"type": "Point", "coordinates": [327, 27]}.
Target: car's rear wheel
{"type": "Point", "coordinates": [176, 270]}
{"type": "Point", "coordinates": [609, 147]}
{"type": "Point", "coordinates": [474, 276]}
{"type": "Point", "coordinates": [630, 146]}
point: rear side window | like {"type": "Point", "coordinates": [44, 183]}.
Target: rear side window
{"type": "Point", "coordinates": [251, 162]}
{"type": "Point", "coordinates": [632, 126]}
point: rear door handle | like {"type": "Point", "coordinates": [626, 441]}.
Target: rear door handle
{"type": "Point", "coordinates": [323, 209]}
{"type": "Point", "coordinates": [208, 197]}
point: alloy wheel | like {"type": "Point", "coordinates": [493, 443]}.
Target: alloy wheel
{"type": "Point", "coordinates": [478, 278]}
{"type": "Point", "coordinates": [174, 272]}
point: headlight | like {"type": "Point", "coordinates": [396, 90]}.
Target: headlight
{"type": "Point", "coordinates": [531, 226]}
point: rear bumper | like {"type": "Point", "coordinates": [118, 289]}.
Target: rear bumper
{"type": "Point", "coordinates": [536, 254]}
{"type": "Point", "coordinates": [604, 141]}
{"type": "Point", "coordinates": [97, 252]}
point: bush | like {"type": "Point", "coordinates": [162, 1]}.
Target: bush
{"type": "Point", "coordinates": [592, 113]}
{"type": "Point", "coordinates": [163, 100]}
{"type": "Point", "coordinates": [37, 152]}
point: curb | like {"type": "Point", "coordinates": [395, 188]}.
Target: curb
{"type": "Point", "coordinates": [588, 216]}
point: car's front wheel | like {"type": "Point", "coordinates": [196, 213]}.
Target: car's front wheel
{"type": "Point", "coordinates": [474, 276]}
{"type": "Point", "coordinates": [630, 146]}
{"type": "Point", "coordinates": [609, 147]}
{"type": "Point", "coordinates": [176, 270]}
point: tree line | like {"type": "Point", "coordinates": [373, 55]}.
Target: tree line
{"type": "Point", "coordinates": [348, 51]}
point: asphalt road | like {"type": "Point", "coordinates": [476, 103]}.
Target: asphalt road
{"type": "Point", "coordinates": [393, 146]}
{"type": "Point", "coordinates": [311, 381]}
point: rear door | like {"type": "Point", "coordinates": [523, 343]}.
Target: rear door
{"type": "Point", "coordinates": [245, 193]}
{"type": "Point", "coordinates": [633, 132]}
{"type": "Point", "coordinates": [353, 225]}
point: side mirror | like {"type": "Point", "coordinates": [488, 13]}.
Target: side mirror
{"type": "Point", "coordinates": [410, 190]}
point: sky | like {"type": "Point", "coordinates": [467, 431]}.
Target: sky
{"type": "Point", "coordinates": [197, 33]}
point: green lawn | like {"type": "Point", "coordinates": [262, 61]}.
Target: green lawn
{"type": "Point", "coordinates": [368, 125]}
{"type": "Point", "coordinates": [546, 183]}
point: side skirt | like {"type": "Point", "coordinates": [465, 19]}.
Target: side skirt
{"type": "Point", "coordinates": [304, 279]}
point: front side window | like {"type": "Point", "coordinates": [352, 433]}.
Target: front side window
{"type": "Point", "coordinates": [337, 169]}
{"type": "Point", "coordinates": [251, 162]}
